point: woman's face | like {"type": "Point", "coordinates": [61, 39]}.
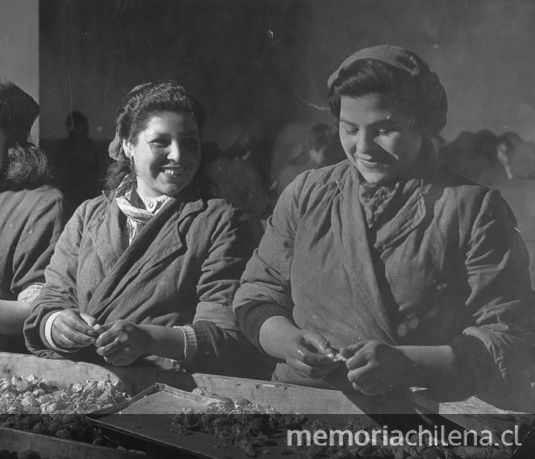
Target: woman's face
{"type": "Point", "coordinates": [378, 137]}
{"type": "Point", "coordinates": [166, 154]}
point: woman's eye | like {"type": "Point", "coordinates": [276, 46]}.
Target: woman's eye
{"type": "Point", "coordinates": [159, 143]}
{"type": "Point", "coordinates": [385, 131]}
{"type": "Point", "coordinates": [351, 131]}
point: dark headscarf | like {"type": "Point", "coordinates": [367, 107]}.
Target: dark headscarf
{"type": "Point", "coordinates": [433, 91]}
{"type": "Point", "coordinates": [18, 111]}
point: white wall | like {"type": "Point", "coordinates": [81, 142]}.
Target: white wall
{"type": "Point", "coordinates": [19, 46]}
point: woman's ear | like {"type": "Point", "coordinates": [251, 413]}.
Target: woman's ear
{"type": "Point", "coordinates": [127, 148]}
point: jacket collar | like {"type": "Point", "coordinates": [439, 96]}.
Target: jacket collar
{"type": "Point", "coordinates": [107, 230]}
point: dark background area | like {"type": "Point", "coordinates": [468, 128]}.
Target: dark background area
{"type": "Point", "coordinates": [264, 63]}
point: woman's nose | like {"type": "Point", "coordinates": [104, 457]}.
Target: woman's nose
{"type": "Point", "coordinates": [174, 152]}
{"type": "Point", "coordinates": [365, 142]}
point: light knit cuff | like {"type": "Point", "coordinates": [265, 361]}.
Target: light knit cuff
{"type": "Point", "coordinates": [30, 293]}
{"type": "Point", "coordinates": [48, 334]}
{"type": "Point", "coordinates": [190, 343]}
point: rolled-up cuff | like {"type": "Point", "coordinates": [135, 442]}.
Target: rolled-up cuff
{"type": "Point", "coordinates": [47, 338]}
{"type": "Point", "coordinates": [251, 317]}
{"type": "Point", "coordinates": [190, 343]}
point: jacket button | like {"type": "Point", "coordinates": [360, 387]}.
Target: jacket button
{"type": "Point", "coordinates": [403, 330]}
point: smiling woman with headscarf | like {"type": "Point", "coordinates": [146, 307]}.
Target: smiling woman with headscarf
{"type": "Point", "coordinates": [150, 267]}
{"type": "Point", "coordinates": [31, 214]}
{"type": "Point", "coordinates": [416, 275]}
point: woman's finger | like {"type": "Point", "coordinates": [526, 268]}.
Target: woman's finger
{"type": "Point", "coordinates": [74, 322]}
{"type": "Point", "coordinates": [358, 360]}
{"type": "Point", "coordinates": [302, 367]}
{"type": "Point", "coordinates": [349, 351]}
{"type": "Point", "coordinates": [363, 375]}
{"type": "Point", "coordinates": [65, 343]}
{"type": "Point", "coordinates": [107, 336]}
{"type": "Point", "coordinates": [318, 342]}
{"type": "Point", "coordinates": [372, 390]}
{"type": "Point", "coordinates": [89, 320]}
{"type": "Point", "coordinates": [75, 336]}
{"type": "Point", "coordinates": [312, 358]}
{"type": "Point", "coordinates": [120, 358]}
{"type": "Point", "coordinates": [110, 348]}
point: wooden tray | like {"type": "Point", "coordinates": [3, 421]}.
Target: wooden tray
{"type": "Point", "coordinates": [161, 399]}
{"type": "Point", "coordinates": [149, 416]}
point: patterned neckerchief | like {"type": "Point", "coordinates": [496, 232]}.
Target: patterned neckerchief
{"type": "Point", "coordinates": [137, 208]}
{"type": "Point", "coordinates": [379, 201]}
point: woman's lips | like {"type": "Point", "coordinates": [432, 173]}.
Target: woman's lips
{"type": "Point", "coordinates": [373, 162]}
{"type": "Point", "coordinates": [174, 171]}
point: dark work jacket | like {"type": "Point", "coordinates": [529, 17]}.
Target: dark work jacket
{"type": "Point", "coordinates": [182, 268]}
{"type": "Point", "coordinates": [448, 268]}
{"type": "Point", "coordinates": [31, 221]}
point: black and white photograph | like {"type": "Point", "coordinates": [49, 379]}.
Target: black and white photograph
{"type": "Point", "coordinates": [267, 229]}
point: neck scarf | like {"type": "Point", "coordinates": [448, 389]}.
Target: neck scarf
{"type": "Point", "coordinates": [137, 208]}
{"type": "Point", "coordinates": [381, 202]}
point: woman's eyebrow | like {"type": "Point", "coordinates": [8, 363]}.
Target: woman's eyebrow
{"type": "Point", "coordinates": [346, 122]}
{"type": "Point", "coordinates": [383, 121]}
{"type": "Point", "coordinates": [167, 134]}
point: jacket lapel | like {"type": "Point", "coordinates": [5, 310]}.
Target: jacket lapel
{"type": "Point", "coordinates": [406, 219]}
{"type": "Point", "coordinates": [352, 241]}
{"type": "Point", "coordinates": [146, 249]}
{"type": "Point", "coordinates": [106, 233]}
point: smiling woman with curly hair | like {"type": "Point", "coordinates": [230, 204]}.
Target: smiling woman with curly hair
{"type": "Point", "coordinates": [32, 214]}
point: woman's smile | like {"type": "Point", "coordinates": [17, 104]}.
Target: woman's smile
{"type": "Point", "coordinates": [175, 171]}
{"type": "Point", "coordinates": [377, 137]}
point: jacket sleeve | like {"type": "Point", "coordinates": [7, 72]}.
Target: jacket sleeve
{"type": "Point", "coordinates": [265, 289]}
{"type": "Point", "coordinates": [498, 348]}
{"type": "Point", "coordinates": [59, 291]}
{"type": "Point", "coordinates": [220, 346]}
{"type": "Point", "coordinates": [36, 245]}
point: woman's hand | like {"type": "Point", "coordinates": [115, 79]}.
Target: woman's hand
{"type": "Point", "coordinates": [374, 367]}
{"type": "Point", "coordinates": [73, 329]}
{"type": "Point", "coordinates": [307, 352]}
{"type": "Point", "coordinates": [123, 342]}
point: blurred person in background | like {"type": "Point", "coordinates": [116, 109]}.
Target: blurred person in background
{"type": "Point", "coordinates": [320, 148]}
{"type": "Point", "coordinates": [232, 176]}
{"type": "Point", "coordinates": [76, 162]}
{"type": "Point", "coordinates": [471, 154]}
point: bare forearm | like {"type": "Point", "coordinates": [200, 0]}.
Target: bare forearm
{"type": "Point", "coordinates": [431, 364]}
{"type": "Point", "coordinates": [165, 341]}
{"type": "Point", "coordinates": [12, 316]}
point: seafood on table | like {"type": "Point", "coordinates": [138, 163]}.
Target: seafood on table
{"type": "Point", "coordinates": [33, 395]}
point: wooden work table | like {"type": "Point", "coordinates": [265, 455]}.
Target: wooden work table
{"type": "Point", "coordinates": [472, 413]}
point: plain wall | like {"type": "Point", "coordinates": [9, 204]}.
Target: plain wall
{"type": "Point", "coordinates": [19, 47]}
{"type": "Point", "coordinates": [482, 50]}
{"type": "Point", "coordinates": [265, 63]}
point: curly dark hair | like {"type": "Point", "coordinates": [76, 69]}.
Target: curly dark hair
{"type": "Point", "coordinates": [25, 166]}
{"type": "Point", "coordinates": [138, 106]}
{"type": "Point", "coordinates": [368, 76]}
